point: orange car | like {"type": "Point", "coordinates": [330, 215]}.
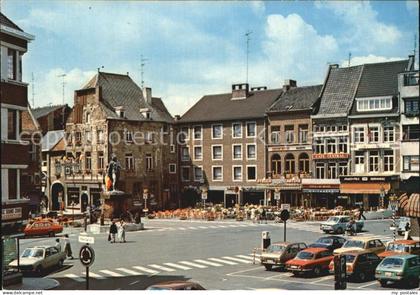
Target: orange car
{"type": "Point", "coordinates": [42, 227]}
{"type": "Point", "coordinates": [313, 260]}
{"type": "Point", "coordinates": [400, 247]}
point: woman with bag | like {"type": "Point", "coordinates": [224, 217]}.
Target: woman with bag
{"type": "Point", "coordinates": [112, 232]}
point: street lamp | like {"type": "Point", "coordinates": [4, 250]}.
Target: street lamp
{"type": "Point", "coordinates": [145, 196]}
{"type": "Point", "coordinates": [204, 192]}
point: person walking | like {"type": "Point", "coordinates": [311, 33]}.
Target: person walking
{"type": "Point", "coordinates": [361, 210]}
{"type": "Point", "coordinates": [58, 244]}
{"type": "Point", "coordinates": [121, 231]}
{"type": "Point", "coordinates": [67, 247]}
{"type": "Point", "coordinates": [407, 232]}
{"type": "Point", "coordinates": [113, 231]}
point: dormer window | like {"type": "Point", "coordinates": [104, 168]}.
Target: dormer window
{"type": "Point", "coordinates": [146, 113]}
{"type": "Point", "coordinates": [120, 111]}
{"type": "Point", "coordinates": [374, 104]}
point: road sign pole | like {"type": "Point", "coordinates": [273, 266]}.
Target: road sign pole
{"type": "Point", "coordinates": [87, 277]}
{"type": "Point", "coordinates": [284, 231]}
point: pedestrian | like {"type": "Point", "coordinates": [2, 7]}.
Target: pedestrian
{"type": "Point", "coordinates": [263, 216]}
{"type": "Point", "coordinates": [361, 210]}
{"type": "Point", "coordinates": [67, 246]}
{"type": "Point", "coordinates": [113, 231]}
{"type": "Point", "coordinates": [58, 244]}
{"type": "Point", "coordinates": [137, 218]}
{"type": "Point", "coordinates": [121, 231]}
{"type": "Point", "coordinates": [407, 232]}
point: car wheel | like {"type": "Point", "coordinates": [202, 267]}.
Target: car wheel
{"type": "Point", "coordinates": [51, 234]}
{"type": "Point", "coordinates": [383, 283]}
{"type": "Point", "coordinates": [361, 276]}
{"type": "Point", "coordinates": [296, 273]}
{"type": "Point", "coordinates": [339, 231]}
{"type": "Point", "coordinates": [268, 267]}
{"type": "Point", "coordinates": [317, 270]}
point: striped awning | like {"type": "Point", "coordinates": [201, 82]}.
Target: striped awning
{"type": "Point", "coordinates": [410, 205]}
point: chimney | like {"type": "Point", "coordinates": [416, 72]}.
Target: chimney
{"type": "Point", "coordinates": [147, 93]}
{"type": "Point", "coordinates": [177, 117]}
{"type": "Point", "coordinates": [289, 83]}
{"type": "Point", "coordinates": [240, 91]}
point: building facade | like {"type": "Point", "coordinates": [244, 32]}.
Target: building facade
{"type": "Point", "coordinates": [222, 146]}
{"type": "Point", "coordinates": [52, 117]}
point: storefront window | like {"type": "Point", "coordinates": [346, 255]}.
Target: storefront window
{"type": "Point", "coordinates": [72, 196]}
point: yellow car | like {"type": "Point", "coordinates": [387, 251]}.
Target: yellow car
{"type": "Point", "coordinates": [369, 244]}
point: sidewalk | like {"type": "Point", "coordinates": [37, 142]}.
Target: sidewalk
{"type": "Point", "coordinates": [35, 284]}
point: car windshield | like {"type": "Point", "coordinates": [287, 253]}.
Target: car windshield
{"type": "Point", "coordinates": [353, 243]}
{"type": "Point", "coordinates": [33, 253]}
{"type": "Point", "coordinates": [275, 248]}
{"type": "Point", "coordinates": [392, 262]}
{"type": "Point", "coordinates": [397, 247]}
{"type": "Point", "coordinates": [350, 258]}
{"type": "Point", "coordinates": [305, 255]}
{"type": "Point", "coordinates": [325, 241]}
{"type": "Point", "coordinates": [333, 219]}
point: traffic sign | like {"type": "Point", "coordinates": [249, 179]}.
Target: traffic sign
{"type": "Point", "coordinates": [284, 215]}
{"type": "Point", "coordinates": [276, 195]}
{"type": "Point", "coordinates": [204, 196]}
{"type": "Point", "coordinates": [394, 205]}
{"type": "Point", "coordinates": [285, 207]}
{"type": "Point", "coordinates": [87, 255]}
{"type": "Point", "coordinates": [86, 239]}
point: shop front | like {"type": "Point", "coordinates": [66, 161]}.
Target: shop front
{"type": "Point", "coordinates": [289, 189]}
{"type": "Point", "coordinates": [319, 193]}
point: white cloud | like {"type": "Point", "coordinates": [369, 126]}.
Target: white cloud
{"type": "Point", "coordinates": [258, 7]}
{"type": "Point", "coordinates": [371, 58]}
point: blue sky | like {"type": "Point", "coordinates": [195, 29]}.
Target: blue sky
{"type": "Point", "coordinates": [198, 48]}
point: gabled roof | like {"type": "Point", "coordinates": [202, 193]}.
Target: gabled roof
{"type": "Point", "coordinates": [294, 99]}
{"type": "Point", "coordinates": [5, 21]}
{"type": "Point", "coordinates": [29, 122]}
{"type": "Point", "coordinates": [43, 111]}
{"type": "Point", "coordinates": [50, 139]}
{"type": "Point", "coordinates": [219, 107]}
{"type": "Point", "coordinates": [121, 91]}
{"type": "Point", "coordinates": [339, 90]}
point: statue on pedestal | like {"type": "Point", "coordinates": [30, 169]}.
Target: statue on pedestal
{"type": "Point", "coordinates": [113, 173]}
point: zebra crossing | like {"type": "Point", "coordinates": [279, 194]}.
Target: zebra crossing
{"type": "Point", "coordinates": [154, 269]}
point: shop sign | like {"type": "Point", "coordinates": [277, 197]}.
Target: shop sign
{"type": "Point", "coordinates": [320, 190]}
{"type": "Point", "coordinates": [290, 148]}
{"type": "Point", "coordinates": [365, 179]}
{"type": "Point", "coordinates": [11, 213]}
{"type": "Point", "coordinates": [331, 156]}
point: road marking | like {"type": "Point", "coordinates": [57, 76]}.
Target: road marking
{"type": "Point", "coordinates": [323, 279]}
{"type": "Point", "coordinates": [177, 266]}
{"type": "Point", "coordinates": [207, 262]}
{"type": "Point", "coordinates": [256, 254]}
{"type": "Point", "coordinates": [245, 257]}
{"type": "Point", "coordinates": [182, 228]}
{"type": "Point", "coordinates": [233, 225]}
{"type": "Point", "coordinates": [221, 226]}
{"type": "Point", "coordinates": [202, 226]}
{"type": "Point", "coordinates": [95, 275]}
{"type": "Point", "coordinates": [161, 267]}
{"type": "Point", "coordinates": [148, 270]}
{"type": "Point", "coordinates": [74, 277]}
{"type": "Point", "coordinates": [129, 271]}
{"type": "Point", "coordinates": [192, 227]}
{"type": "Point", "coordinates": [111, 273]}
{"type": "Point", "coordinates": [222, 261]}
{"type": "Point", "coordinates": [192, 264]}
{"type": "Point", "coordinates": [213, 226]}
{"type": "Point", "coordinates": [236, 259]}
{"type": "Point", "coordinates": [367, 285]}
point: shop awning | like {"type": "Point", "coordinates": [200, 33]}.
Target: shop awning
{"type": "Point", "coordinates": [364, 188]}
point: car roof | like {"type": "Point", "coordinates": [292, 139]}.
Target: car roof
{"type": "Point", "coordinates": [315, 250]}
{"type": "Point", "coordinates": [174, 284]}
{"type": "Point", "coordinates": [403, 256]}
{"type": "Point", "coordinates": [404, 242]}
{"type": "Point", "coordinates": [340, 216]}
{"type": "Point", "coordinates": [39, 247]}
{"type": "Point", "coordinates": [364, 239]}
{"type": "Point", "coordinates": [356, 252]}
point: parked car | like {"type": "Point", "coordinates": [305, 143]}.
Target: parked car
{"type": "Point", "coordinates": [176, 285]}
{"type": "Point", "coordinates": [310, 260]}
{"type": "Point", "coordinates": [329, 242]}
{"type": "Point", "coordinates": [277, 254]}
{"type": "Point", "coordinates": [399, 268]}
{"type": "Point", "coordinates": [338, 224]}
{"type": "Point", "coordinates": [402, 223]}
{"type": "Point", "coordinates": [42, 227]}
{"type": "Point", "coordinates": [359, 264]}
{"type": "Point", "coordinates": [362, 243]}
{"type": "Point", "coordinates": [401, 247]}
{"type": "Point", "coordinates": [38, 259]}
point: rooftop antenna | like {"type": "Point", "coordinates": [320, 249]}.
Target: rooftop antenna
{"type": "Point", "coordinates": [142, 64]}
{"type": "Point", "coordinates": [247, 34]}
{"type": "Point", "coordinates": [63, 76]}
{"type": "Point", "coordinates": [33, 90]}
{"type": "Point", "coordinates": [349, 59]}
{"type": "Point", "coordinates": [415, 45]}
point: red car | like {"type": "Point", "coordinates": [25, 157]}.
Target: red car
{"type": "Point", "coordinates": [43, 227]}
{"type": "Point", "coordinates": [310, 260]}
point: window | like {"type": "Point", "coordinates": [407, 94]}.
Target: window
{"type": "Point", "coordinates": [411, 163]}
{"type": "Point", "coordinates": [13, 183]}
{"type": "Point", "coordinates": [320, 147]}
{"type": "Point", "coordinates": [251, 129]}
{"type": "Point", "coordinates": [304, 163]}
{"type": "Point", "coordinates": [129, 162]}
{"type": "Point", "coordinates": [149, 162]}
{"type": "Point", "coordinates": [342, 145]}
{"type": "Point", "coordinates": [389, 134]}
{"type": "Point", "coordinates": [332, 170]}
{"type": "Point", "coordinates": [289, 133]}
{"type": "Point", "coordinates": [411, 106]}
{"type": "Point", "coordinates": [88, 136]}
{"type": "Point", "coordinates": [87, 117]}
{"type": "Point", "coordinates": [373, 134]}
{"type": "Point", "coordinates": [359, 161]}
{"type": "Point", "coordinates": [12, 128]}
{"type": "Point", "coordinates": [237, 173]}
{"type": "Point", "coordinates": [32, 152]}
{"type": "Point", "coordinates": [373, 161]}
{"type": "Point", "coordinates": [388, 161]}
{"type": "Point", "coordinates": [172, 168]}
{"type": "Point", "coordinates": [198, 152]}
{"type": "Point", "coordinates": [320, 170]}
{"type": "Point", "coordinates": [217, 131]}
{"type": "Point", "coordinates": [149, 137]}
{"type": "Point", "coordinates": [78, 137]}
{"type": "Point", "coordinates": [237, 151]}
{"type": "Point", "coordinates": [275, 134]}
{"type": "Point", "coordinates": [251, 151]}
{"type": "Point", "coordinates": [303, 133]}
{"type": "Point", "coordinates": [251, 172]}
{"type": "Point", "coordinates": [198, 173]}
{"type": "Point", "coordinates": [411, 79]}
{"type": "Point", "coordinates": [342, 128]}
{"type": "Point", "coordinates": [88, 161]}
{"type": "Point", "coordinates": [411, 132]}
{"type": "Point", "coordinates": [128, 136]}
{"type": "Point", "coordinates": [185, 173]}
{"type": "Point", "coordinates": [236, 130]}
{"type": "Point", "coordinates": [185, 153]}
{"type": "Point", "coordinates": [343, 168]}
{"type": "Point", "coordinates": [289, 164]}
{"type": "Point", "coordinates": [198, 132]}
{"type": "Point", "coordinates": [359, 134]}
{"type": "Point", "coordinates": [276, 164]}
{"type": "Point", "coordinates": [11, 64]}
{"type": "Point", "coordinates": [217, 152]}
{"type": "Point", "coordinates": [101, 164]}
{"type": "Point", "coordinates": [100, 136]}
{"type": "Point", "coordinates": [183, 135]}
{"type": "Point", "coordinates": [374, 104]}
{"type": "Point", "coordinates": [331, 146]}
{"type": "Point", "coordinates": [172, 148]}
{"type": "Point", "coordinates": [217, 173]}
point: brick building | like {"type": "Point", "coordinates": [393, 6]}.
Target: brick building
{"type": "Point", "coordinates": [223, 146]}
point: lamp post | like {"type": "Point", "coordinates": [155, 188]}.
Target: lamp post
{"type": "Point", "coordinates": [393, 201]}
{"type": "Point", "coordinates": [204, 191]}
{"type": "Point", "coordinates": [145, 196]}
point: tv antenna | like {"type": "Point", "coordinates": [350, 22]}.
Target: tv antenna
{"type": "Point", "coordinates": [33, 90]}
{"type": "Point", "coordinates": [415, 45]}
{"type": "Point", "coordinates": [142, 65]}
{"type": "Point", "coordinates": [63, 76]}
{"type": "Point", "coordinates": [349, 59]}
{"type": "Point", "coordinates": [248, 38]}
